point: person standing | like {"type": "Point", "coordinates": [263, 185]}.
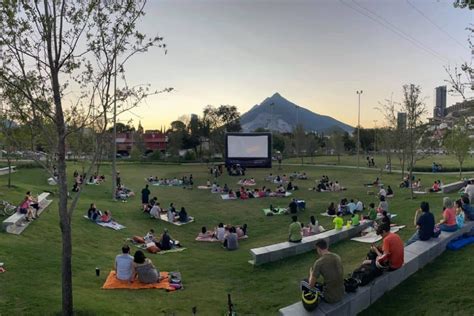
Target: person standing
{"type": "Point", "coordinates": [145, 197]}
{"type": "Point", "coordinates": [329, 266]}
{"type": "Point", "coordinates": [124, 265]}
{"type": "Point", "coordinates": [119, 180]}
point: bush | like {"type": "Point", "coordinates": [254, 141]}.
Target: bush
{"type": "Point", "coordinates": [156, 155]}
{"type": "Point", "coordinates": [445, 169]}
{"type": "Point", "coordinates": [190, 155]}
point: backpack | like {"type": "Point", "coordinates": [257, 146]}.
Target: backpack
{"type": "Point", "coordinates": [351, 285]}
{"type": "Point", "coordinates": [366, 273]}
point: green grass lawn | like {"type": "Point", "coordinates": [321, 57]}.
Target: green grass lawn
{"type": "Point", "coordinates": [447, 161]}
{"type": "Point", "coordinates": [32, 283]}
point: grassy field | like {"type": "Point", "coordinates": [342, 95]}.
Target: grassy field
{"type": "Point", "coordinates": [446, 161]}
{"type": "Point", "coordinates": [32, 283]}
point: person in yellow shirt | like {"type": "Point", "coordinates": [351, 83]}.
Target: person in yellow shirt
{"type": "Point", "coordinates": [338, 221]}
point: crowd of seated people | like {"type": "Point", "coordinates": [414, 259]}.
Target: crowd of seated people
{"type": "Point", "coordinates": [185, 180]}
{"type": "Point", "coordinates": [28, 206]}
{"type": "Point", "coordinates": [298, 176]}
{"type": "Point", "coordinates": [436, 167]}
{"type": "Point", "coordinates": [122, 193]}
{"type": "Point", "coordinates": [245, 181]}
{"type": "Point", "coordinates": [96, 215]}
{"type": "Point", "coordinates": [236, 170]}
{"type": "Point", "coordinates": [225, 234]}
{"type": "Point", "coordinates": [216, 171]}
{"type": "Point", "coordinates": [173, 215]}
{"type": "Point", "coordinates": [95, 179]}
{"type": "Point", "coordinates": [324, 185]}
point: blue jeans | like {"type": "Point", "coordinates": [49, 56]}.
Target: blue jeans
{"type": "Point", "coordinates": [447, 228]}
{"type": "Point", "coordinates": [412, 239]}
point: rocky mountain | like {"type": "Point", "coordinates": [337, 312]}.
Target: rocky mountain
{"type": "Point", "coordinates": [278, 114]}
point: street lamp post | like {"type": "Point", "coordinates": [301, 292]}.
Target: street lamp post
{"type": "Point", "coordinates": [375, 137]}
{"type": "Point", "coordinates": [359, 92]}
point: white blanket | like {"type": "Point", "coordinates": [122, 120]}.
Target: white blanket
{"type": "Point", "coordinates": [114, 225]}
{"type": "Point", "coordinates": [164, 217]}
{"type": "Point", "coordinates": [371, 236]}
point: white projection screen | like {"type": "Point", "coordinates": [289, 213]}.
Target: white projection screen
{"type": "Point", "coordinates": [249, 149]}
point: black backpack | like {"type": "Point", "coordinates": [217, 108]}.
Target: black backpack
{"type": "Point", "coordinates": [351, 285]}
{"type": "Point", "coordinates": [366, 273]}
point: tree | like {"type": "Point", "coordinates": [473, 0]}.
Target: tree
{"type": "Point", "coordinates": [349, 143]}
{"type": "Point", "coordinates": [337, 144]}
{"type": "Point", "coordinates": [415, 108]}
{"type": "Point", "coordinates": [278, 141]}
{"type": "Point", "coordinates": [312, 145]}
{"type": "Point", "coordinates": [218, 121]}
{"type": "Point", "coordinates": [66, 52]}
{"type": "Point", "coordinates": [457, 142]}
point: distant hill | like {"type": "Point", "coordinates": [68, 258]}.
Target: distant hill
{"type": "Point", "coordinates": [284, 117]}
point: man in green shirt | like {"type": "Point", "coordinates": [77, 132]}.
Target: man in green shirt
{"type": "Point", "coordinates": [295, 230]}
{"type": "Point", "coordinates": [338, 221]}
{"type": "Point", "coordinates": [329, 266]}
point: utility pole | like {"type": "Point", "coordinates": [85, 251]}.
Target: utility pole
{"type": "Point", "coordinates": [375, 137]}
{"type": "Point", "coordinates": [358, 131]}
{"type": "Point", "coordinates": [272, 105]}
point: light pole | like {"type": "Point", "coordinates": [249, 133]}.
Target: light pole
{"type": "Point", "coordinates": [359, 92]}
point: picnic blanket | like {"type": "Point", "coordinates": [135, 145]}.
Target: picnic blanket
{"type": "Point", "coordinates": [161, 252]}
{"type": "Point", "coordinates": [419, 192]}
{"type": "Point", "coordinates": [371, 235]}
{"type": "Point", "coordinates": [164, 217]}
{"type": "Point", "coordinates": [279, 211]}
{"type": "Point", "coordinates": [211, 239]}
{"type": "Point", "coordinates": [114, 225]}
{"type": "Point", "coordinates": [112, 283]}
{"type": "Point", "coordinates": [203, 187]}
{"type": "Point", "coordinates": [247, 183]}
{"type": "Point", "coordinates": [326, 214]}
{"type": "Point", "coordinates": [227, 197]}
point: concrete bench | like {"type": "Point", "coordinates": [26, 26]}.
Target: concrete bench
{"type": "Point", "coordinates": [417, 255]}
{"type": "Point", "coordinates": [16, 223]}
{"type": "Point", "coordinates": [453, 187]}
{"type": "Point", "coordinates": [287, 249]}
{"type": "Point", "coordinates": [4, 170]}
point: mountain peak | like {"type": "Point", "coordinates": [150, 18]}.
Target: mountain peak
{"type": "Point", "coordinates": [279, 114]}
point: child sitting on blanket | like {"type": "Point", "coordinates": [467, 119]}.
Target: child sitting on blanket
{"type": "Point", "coordinates": [106, 217]}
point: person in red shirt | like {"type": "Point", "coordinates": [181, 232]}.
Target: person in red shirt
{"type": "Point", "coordinates": [391, 256]}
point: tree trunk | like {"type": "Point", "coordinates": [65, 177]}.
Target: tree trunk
{"type": "Point", "coordinates": [9, 161]}
{"type": "Point", "coordinates": [460, 170]}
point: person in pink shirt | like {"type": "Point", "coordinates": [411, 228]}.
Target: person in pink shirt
{"type": "Point", "coordinates": [448, 222]}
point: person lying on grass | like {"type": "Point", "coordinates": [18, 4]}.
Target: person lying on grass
{"type": "Point", "coordinates": [144, 269]}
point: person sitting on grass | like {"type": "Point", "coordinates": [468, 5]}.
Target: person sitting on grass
{"type": "Point", "coordinates": [328, 266]}
{"type": "Point", "coordinates": [338, 221]}
{"type": "Point", "coordinates": [448, 222]}
{"type": "Point", "coordinates": [342, 207]}
{"type": "Point", "coordinates": [232, 194]}
{"type": "Point", "coordinates": [424, 222]}
{"type": "Point", "coordinates": [331, 209]}
{"type": "Point", "coordinates": [166, 242]}
{"type": "Point", "coordinates": [183, 215]}
{"type": "Point", "coordinates": [391, 256]}
{"type": "Point", "coordinates": [92, 212]}
{"type": "Point", "coordinates": [382, 192]}
{"type": "Point", "coordinates": [144, 269]}
{"type": "Point", "coordinates": [293, 206]}
{"type": "Point", "coordinates": [124, 265]}
{"type": "Point", "coordinates": [241, 231]}
{"type": "Point", "coordinates": [231, 241]}
{"type": "Point", "coordinates": [351, 206]}
{"type": "Point", "coordinates": [220, 232]}
{"type": "Point", "coordinates": [150, 236]}
{"type": "Point", "coordinates": [155, 211]}
{"type": "Point", "coordinates": [389, 192]}
{"type": "Point", "coordinates": [355, 219]}
{"type": "Point", "coordinates": [291, 187]}
{"type": "Point", "coordinates": [372, 214]}
{"type": "Point", "coordinates": [435, 187]}
{"type": "Point", "coordinates": [106, 217]}
{"type": "Point", "coordinates": [467, 208]}
{"type": "Point", "coordinates": [359, 206]}
{"type": "Point", "coordinates": [295, 233]}
{"type": "Point", "coordinates": [204, 234]}
{"type": "Point", "coordinates": [225, 189]}
{"type": "Point", "coordinates": [171, 213]}
{"type": "Point", "coordinates": [385, 219]}
{"type": "Point", "coordinates": [383, 205]}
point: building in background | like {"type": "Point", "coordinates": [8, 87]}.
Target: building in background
{"type": "Point", "coordinates": [152, 140]}
{"type": "Point", "coordinates": [440, 106]}
{"type": "Point", "coordinates": [401, 120]}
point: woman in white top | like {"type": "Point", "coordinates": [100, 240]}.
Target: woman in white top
{"type": "Point", "coordinates": [220, 232]}
{"type": "Point", "coordinates": [313, 226]}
